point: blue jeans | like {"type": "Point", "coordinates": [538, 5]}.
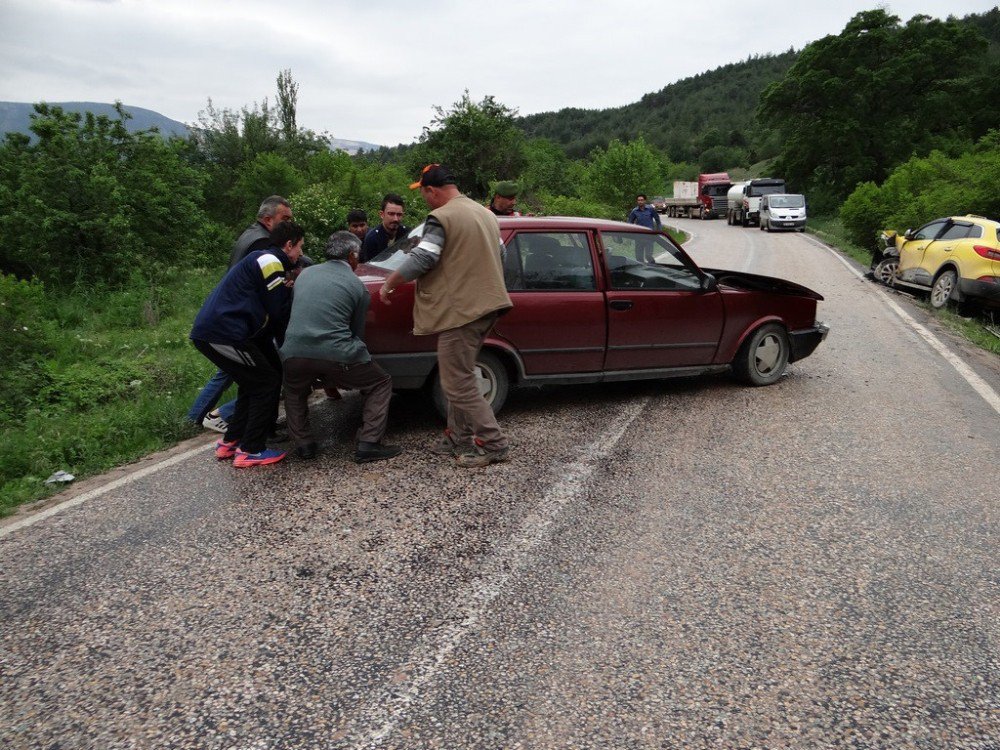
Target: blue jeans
{"type": "Point", "coordinates": [209, 397]}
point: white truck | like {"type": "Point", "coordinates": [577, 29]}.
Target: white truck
{"type": "Point", "coordinates": [743, 205]}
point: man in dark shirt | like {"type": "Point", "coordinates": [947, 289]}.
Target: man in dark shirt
{"type": "Point", "coordinates": [235, 330]}
{"type": "Point", "coordinates": [357, 223]}
{"type": "Point", "coordinates": [273, 210]}
{"type": "Point", "coordinates": [645, 216]}
{"type": "Point", "coordinates": [389, 232]}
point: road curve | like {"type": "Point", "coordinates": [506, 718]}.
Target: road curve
{"type": "Point", "coordinates": [672, 564]}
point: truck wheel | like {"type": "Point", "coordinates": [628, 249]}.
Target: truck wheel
{"type": "Point", "coordinates": [744, 222]}
{"type": "Point", "coordinates": [702, 213]}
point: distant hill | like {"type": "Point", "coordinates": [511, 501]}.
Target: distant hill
{"type": "Point", "coordinates": [678, 118]}
{"type": "Point", "coordinates": [710, 111]}
{"type": "Point", "coordinates": [15, 117]}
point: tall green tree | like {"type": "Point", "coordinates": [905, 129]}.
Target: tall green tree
{"type": "Point", "coordinates": [856, 104]}
{"type": "Point", "coordinates": [480, 141]}
{"type": "Point", "coordinates": [617, 174]}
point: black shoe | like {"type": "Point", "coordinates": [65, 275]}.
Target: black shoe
{"type": "Point", "coordinates": [367, 452]}
{"type": "Point", "coordinates": [307, 451]}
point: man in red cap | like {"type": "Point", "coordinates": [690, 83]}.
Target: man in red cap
{"type": "Point", "coordinates": [460, 293]}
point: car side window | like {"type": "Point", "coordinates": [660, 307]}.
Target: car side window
{"type": "Point", "coordinates": [640, 260]}
{"type": "Point", "coordinates": [956, 232]}
{"type": "Point", "coordinates": [559, 261]}
{"type": "Point", "coordinates": [928, 231]}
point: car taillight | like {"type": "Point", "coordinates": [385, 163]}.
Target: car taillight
{"type": "Point", "coordinates": [990, 253]}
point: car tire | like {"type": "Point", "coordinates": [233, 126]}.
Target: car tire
{"type": "Point", "coordinates": [763, 356]}
{"type": "Point", "coordinates": [885, 271]}
{"type": "Point", "coordinates": [943, 288]}
{"type": "Point", "coordinates": [494, 384]}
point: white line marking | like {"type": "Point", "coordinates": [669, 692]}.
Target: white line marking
{"type": "Point", "coordinates": [80, 499]}
{"type": "Point", "coordinates": [979, 385]}
{"type": "Point", "coordinates": [384, 713]}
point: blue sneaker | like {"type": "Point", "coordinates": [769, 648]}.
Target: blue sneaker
{"type": "Point", "coordinates": [262, 458]}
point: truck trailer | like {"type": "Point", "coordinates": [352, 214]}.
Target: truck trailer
{"type": "Point", "coordinates": [704, 199]}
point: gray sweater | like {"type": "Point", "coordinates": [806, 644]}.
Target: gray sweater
{"type": "Point", "coordinates": [329, 305]}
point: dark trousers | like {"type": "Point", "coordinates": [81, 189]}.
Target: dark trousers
{"type": "Point", "coordinates": [374, 383]}
{"type": "Point", "coordinates": [256, 368]}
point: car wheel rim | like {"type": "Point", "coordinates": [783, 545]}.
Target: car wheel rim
{"type": "Point", "coordinates": [486, 383]}
{"type": "Point", "coordinates": [768, 354]}
{"type": "Point", "coordinates": [887, 272]}
{"type": "Point", "coordinates": [942, 290]}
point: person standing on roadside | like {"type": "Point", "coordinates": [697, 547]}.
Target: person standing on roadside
{"type": "Point", "coordinates": [236, 329]}
{"type": "Point", "coordinates": [389, 232]}
{"type": "Point", "coordinates": [645, 216]}
{"type": "Point", "coordinates": [324, 342]}
{"type": "Point", "coordinates": [273, 210]}
{"type": "Point", "coordinates": [460, 294]}
{"type": "Point", "coordinates": [504, 201]}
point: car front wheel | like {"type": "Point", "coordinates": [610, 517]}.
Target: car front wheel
{"type": "Point", "coordinates": [491, 377]}
{"type": "Point", "coordinates": [943, 288]}
{"type": "Point", "coordinates": [763, 357]}
{"type": "Point", "coordinates": [885, 271]}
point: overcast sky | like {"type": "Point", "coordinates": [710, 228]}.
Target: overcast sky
{"type": "Point", "coordinates": [373, 71]}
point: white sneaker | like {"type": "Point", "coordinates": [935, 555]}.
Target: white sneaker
{"type": "Point", "coordinates": [216, 423]}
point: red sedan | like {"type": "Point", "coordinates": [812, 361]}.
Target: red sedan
{"type": "Point", "coordinates": [601, 300]}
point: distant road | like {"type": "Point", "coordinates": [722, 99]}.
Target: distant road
{"type": "Point", "coordinates": [685, 564]}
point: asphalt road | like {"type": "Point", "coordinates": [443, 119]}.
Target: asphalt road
{"type": "Point", "coordinates": [685, 564]}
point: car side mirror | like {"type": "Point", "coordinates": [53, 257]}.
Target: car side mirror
{"type": "Point", "coordinates": [709, 283]}
{"type": "Point", "coordinates": [908, 234]}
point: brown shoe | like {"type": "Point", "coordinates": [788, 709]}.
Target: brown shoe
{"type": "Point", "coordinates": [480, 457]}
{"type": "Point", "coordinates": [447, 446]}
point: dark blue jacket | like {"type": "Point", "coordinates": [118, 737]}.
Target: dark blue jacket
{"type": "Point", "coordinates": [378, 240]}
{"type": "Point", "coordinates": [250, 301]}
{"type": "Point", "coordinates": [647, 217]}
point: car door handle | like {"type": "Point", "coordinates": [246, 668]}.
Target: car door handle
{"type": "Point", "coordinates": [620, 304]}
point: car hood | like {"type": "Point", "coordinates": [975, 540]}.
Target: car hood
{"type": "Point", "coordinates": [753, 282]}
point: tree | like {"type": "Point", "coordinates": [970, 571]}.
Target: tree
{"type": "Point", "coordinates": [288, 97]}
{"type": "Point", "coordinates": [480, 142]}
{"type": "Point", "coordinates": [92, 202]}
{"type": "Point", "coordinates": [855, 105]}
{"type": "Point", "coordinates": [622, 171]}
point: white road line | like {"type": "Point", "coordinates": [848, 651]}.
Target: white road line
{"type": "Point", "coordinates": [80, 499]}
{"type": "Point", "coordinates": [979, 385]}
{"type": "Point", "coordinates": [384, 713]}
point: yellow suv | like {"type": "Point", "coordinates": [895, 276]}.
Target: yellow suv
{"type": "Point", "coordinates": [957, 258]}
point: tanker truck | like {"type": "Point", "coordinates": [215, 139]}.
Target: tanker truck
{"type": "Point", "coordinates": [743, 200]}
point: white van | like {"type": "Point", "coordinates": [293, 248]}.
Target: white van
{"type": "Point", "coordinates": [783, 211]}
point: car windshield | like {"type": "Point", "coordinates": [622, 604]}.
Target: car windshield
{"type": "Point", "coordinates": [787, 201]}
{"type": "Point", "coordinates": [393, 256]}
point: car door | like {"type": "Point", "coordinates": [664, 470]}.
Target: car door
{"type": "Point", "coordinates": [558, 323]}
{"type": "Point", "coordinates": [659, 315]}
{"type": "Point", "coordinates": [911, 252]}
{"type": "Point", "coordinates": [947, 247]}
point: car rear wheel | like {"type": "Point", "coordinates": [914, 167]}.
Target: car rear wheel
{"type": "Point", "coordinates": [492, 378]}
{"type": "Point", "coordinates": [763, 357]}
{"type": "Point", "coordinates": [943, 288]}
{"type": "Point", "coordinates": [885, 271]}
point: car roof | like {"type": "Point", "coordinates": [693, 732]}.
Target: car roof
{"type": "Point", "coordinates": [974, 219]}
{"type": "Point", "coordinates": [566, 222]}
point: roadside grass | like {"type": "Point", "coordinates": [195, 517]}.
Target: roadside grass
{"type": "Point", "coordinates": [120, 377]}
{"type": "Point", "coordinates": [982, 328]}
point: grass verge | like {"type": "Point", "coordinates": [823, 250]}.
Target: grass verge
{"type": "Point", "coordinates": [119, 377]}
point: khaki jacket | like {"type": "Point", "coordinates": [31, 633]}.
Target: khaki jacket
{"type": "Point", "coordinates": [467, 282]}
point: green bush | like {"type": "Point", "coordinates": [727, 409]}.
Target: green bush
{"type": "Point", "coordinates": [564, 205]}
{"type": "Point", "coordinates": [25, 335]}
